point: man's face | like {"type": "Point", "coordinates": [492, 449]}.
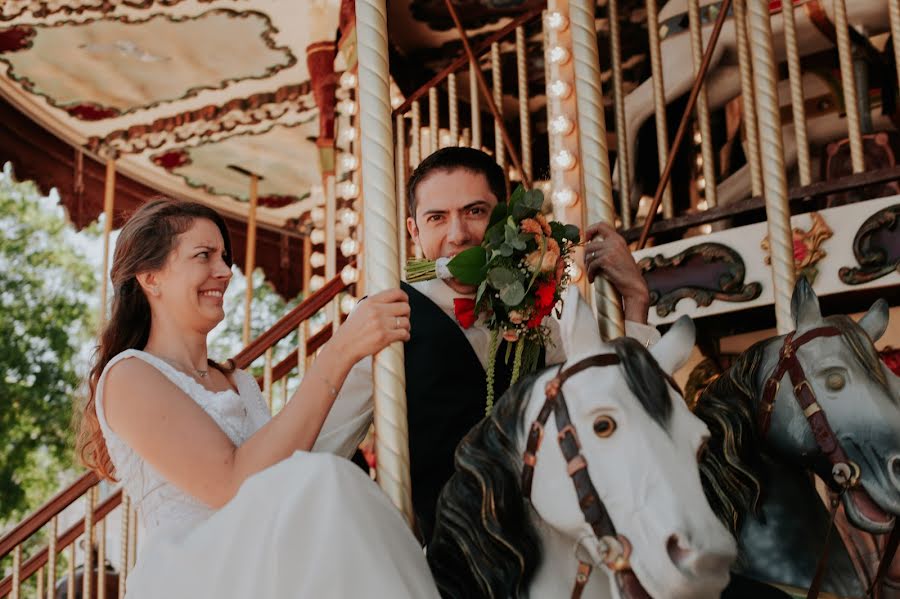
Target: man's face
{"type": "Point", "coordinates": [453, 209]}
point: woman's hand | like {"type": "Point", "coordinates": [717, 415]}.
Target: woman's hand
{"type": "Point", "coordinates": [376, 322]}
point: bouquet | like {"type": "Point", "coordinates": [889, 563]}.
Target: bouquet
{"type": "Point", "coordinates": [521, 272]}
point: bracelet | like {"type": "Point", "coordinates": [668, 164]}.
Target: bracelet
{"type": "Point", "coordinates": [331, 388]}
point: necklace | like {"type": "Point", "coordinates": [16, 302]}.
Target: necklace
{"type": "Point", "coordinates": [200, 373]}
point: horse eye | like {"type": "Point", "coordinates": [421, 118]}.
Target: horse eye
{"type": "Point", "coordinates": [604, 426]}
{"type": "Point", "coordinates": [835, 381]}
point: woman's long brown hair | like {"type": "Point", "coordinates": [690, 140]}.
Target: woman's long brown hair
{"type": "Point", "coordinates": [144, 245]}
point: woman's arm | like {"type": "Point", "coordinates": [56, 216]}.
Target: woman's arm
{"type": "Point", "coordinates": [175, 436]}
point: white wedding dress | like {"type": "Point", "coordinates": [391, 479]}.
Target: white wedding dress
{"type": "Point", "coordinates": [313, 525]}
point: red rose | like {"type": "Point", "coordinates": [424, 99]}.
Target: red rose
{"type": "Point", "coordinates": [545, 294]}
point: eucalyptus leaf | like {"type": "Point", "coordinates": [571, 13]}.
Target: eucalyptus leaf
{"type": "Point", "coordinates": [481, 289]}
{"type": "Point", "coordinates": [572, 233]}
{"type": "Point", "coordinates": [533, 199]}
{"type": "Point", "coordinates": [498, 214]}
{"type": "Point", "coordinates": [514, 239]}
{"type": "Point", "coordinates": [512, 295]}
{"type": "Point", "coordinates": [500, 277]}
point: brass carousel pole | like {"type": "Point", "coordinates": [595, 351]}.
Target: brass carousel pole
{"type": "Point", "coordinates": [250, 256]}
{"type": "Point", "coordinates": [594, 155]}
{"type": "Point", "coordinates": [778, 215]}
{"type": "Point", "coordinates": [381, 251]}
{"type": "Point", "coordinates": [109, 197]}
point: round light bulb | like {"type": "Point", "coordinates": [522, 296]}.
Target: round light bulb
{"type": "Point", "coordinates": [348, 134]}
{"type": "Point", "coordinates": [564, 159]}
{"type": "Point", "coordinates": [317, 236]}
{"type": "Point", "coordinates": [347, 190]}
{"type": "Point", "coordinates": [559, 89]}
{"type": "Point", "coordinates": [565, 197]}
{"type": "Point", "coordinates": [558, 55]}
{"type": "Point", "coordinates": [561, 125]}
{"type": "Point", "coordinates": [349, 274]}
{"type": "Point", "coordinates": [349, 247]}
{"type": "Point", "coordinates": [347, 107]}
{"type": "Point", "coordinates": [317, 259]}
{"type": "Point", "coordinates": [348, 216]}
{"type": "Point", "coordinates": [348, 80]}
{"type": "Point", "coordinates": [396, 101]}
{"type": "Point", "coordinates": [317, 215]}
{"type": "Point", "coordinates": [348, 302]}
{"type": "Point", "coordinates": [348, 162]}
{"type": "Point", "coordinates": [557, 21]}
{"type": "Point", "coordinates": [316, 282]}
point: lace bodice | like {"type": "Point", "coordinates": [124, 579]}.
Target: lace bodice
{"type": "Point", "coordinates": [159, 503]}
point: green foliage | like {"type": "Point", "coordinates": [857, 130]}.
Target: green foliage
{"type": "Point", "coordinates": [46, 320]}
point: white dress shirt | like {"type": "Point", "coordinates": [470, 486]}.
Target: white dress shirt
{"type": "Point", "coordinates": [350, 416]}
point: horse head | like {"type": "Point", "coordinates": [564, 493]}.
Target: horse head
{"type": "Point", "coordinates": [818, 398]}
{"type": "Point", "coordinates": [637, 447]}
{"type": "Point", "coordinates": [858, 395]}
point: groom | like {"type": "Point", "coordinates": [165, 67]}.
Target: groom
{"type": "Point", "coordinates": [451, 195]}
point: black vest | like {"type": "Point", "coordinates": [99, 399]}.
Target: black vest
{"type": "Point", "coordinates": [445, 397]}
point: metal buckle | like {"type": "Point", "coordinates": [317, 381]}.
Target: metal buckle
{"type": "Point", "coordinates": [846, 474]}
{"type": "Point", "coordinates": [811, 409]}
{"type": "Point", "coordinates": [616, 552]}
{"type": "Point", "coordinates": [800, 385]}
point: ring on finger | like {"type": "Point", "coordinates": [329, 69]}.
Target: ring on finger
{"type": "Point", "coordinates": [397, 322]}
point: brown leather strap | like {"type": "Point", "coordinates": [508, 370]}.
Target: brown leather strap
{"type": "Point", "coordinates": [887, 558]}
{"type": "Point", "coordinates": [581, 578]}
{"type": "Point", "coordinates": [821, 566]}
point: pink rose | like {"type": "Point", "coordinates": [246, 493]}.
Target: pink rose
{"type": "Point", "coordinates": [551, 255]}
{"type": "Point", "coordinates": [511, 335]}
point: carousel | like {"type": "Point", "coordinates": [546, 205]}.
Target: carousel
{"type": "Point", "coordinates": [746, 149]}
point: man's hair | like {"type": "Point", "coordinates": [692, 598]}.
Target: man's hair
{"type": "Point", "coordinates": [456, 158]}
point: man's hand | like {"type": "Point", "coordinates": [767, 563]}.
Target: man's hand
{"type": "Point", "coordinates": [606, 254]}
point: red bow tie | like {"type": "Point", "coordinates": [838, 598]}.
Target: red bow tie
{"type": "Point", "coordinates": [464, 309]}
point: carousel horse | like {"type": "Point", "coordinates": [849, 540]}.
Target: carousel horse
{"type": "Point", "coordinates": [814, 26]}
{"type": "Point", "coordinates": [817, 400]}
{"type": "Point", "coordinates": [613, 487]}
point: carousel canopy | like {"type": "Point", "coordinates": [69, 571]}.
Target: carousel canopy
{"type": "Point", "coordinates": [190, 96]}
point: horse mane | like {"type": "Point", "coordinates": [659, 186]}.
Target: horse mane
{"type": "Point", "coordinates": [732, 466]}
{"type": "Point", "coordinates": [484, 542]}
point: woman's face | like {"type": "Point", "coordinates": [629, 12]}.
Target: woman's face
{"type": "Point", "coordinates": [191, 285]}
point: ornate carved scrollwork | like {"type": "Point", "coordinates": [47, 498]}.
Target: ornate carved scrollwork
{"type": "Point", "coordinates": [703, 272]}
{"type": "Point", "coordinates": [876, 247]}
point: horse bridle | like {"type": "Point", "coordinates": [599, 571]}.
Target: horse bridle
{"type": "Point", "coordinates": [845, 473]}
{"type": "Point", "coordinates": [615, 547]}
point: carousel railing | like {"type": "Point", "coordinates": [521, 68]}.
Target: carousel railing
{"type": "Point", "coordinates": [38, 574]}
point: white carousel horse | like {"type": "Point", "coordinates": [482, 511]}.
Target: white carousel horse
{"type": "Point", "coordinates": [512, 523]}
{"type": "Point", "coordinates": [723, 81]}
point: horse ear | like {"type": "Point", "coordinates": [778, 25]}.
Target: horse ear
{"type": "Point", "coordinates": [875, 321]}
{"type": "Point", "coordinates": [577, 324]}
{"type": "Point", "coordinates": [805, 305]}
{"type": "Point", "coordinates": [675, 347]}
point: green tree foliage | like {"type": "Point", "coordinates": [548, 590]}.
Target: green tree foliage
{"type": "Point", "coordinates": [46, 321]}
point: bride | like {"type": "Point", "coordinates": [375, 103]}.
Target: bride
{"type": "Point", "coordinates": [231, 502]}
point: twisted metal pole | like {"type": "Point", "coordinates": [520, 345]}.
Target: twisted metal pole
{"type": "Point", "coordinates": [848, 83]}
{"type": "Point", "coordinates": [795, 78]}
{"type": "Point", "coordinates": [497, 92]}
{"type": "Point", "coordinates": [894, 8]}
{"type": "Point", "coordinates": [381, 252]}
{"type": "Point", "coordinates": [706, 149]}
{"type": "Point", "coordinates": [748, 96]}
{"type": "Point", "coordinates": [594, 155]}
{"type": "Point", "coordinates": [659, 102]}
{"type": "Point", "coordinates": [615, 53]}
{"type": "Point", "coordinates": [524, 114]}
{"type": "Point", "coordinates": [778, 215]}
{"type": "Point", "coordinates": [453, 111]}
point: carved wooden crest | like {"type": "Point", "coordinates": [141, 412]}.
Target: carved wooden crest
{"type": "Point", "coordinates": [876, 247]}
{"type": "Point", "coordinates": [807, 247]}
{"type": "Point", "coordinates": [703, 272]}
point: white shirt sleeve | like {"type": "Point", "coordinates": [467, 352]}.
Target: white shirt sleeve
{"type": "Point", "coordinates": [348, 421]}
